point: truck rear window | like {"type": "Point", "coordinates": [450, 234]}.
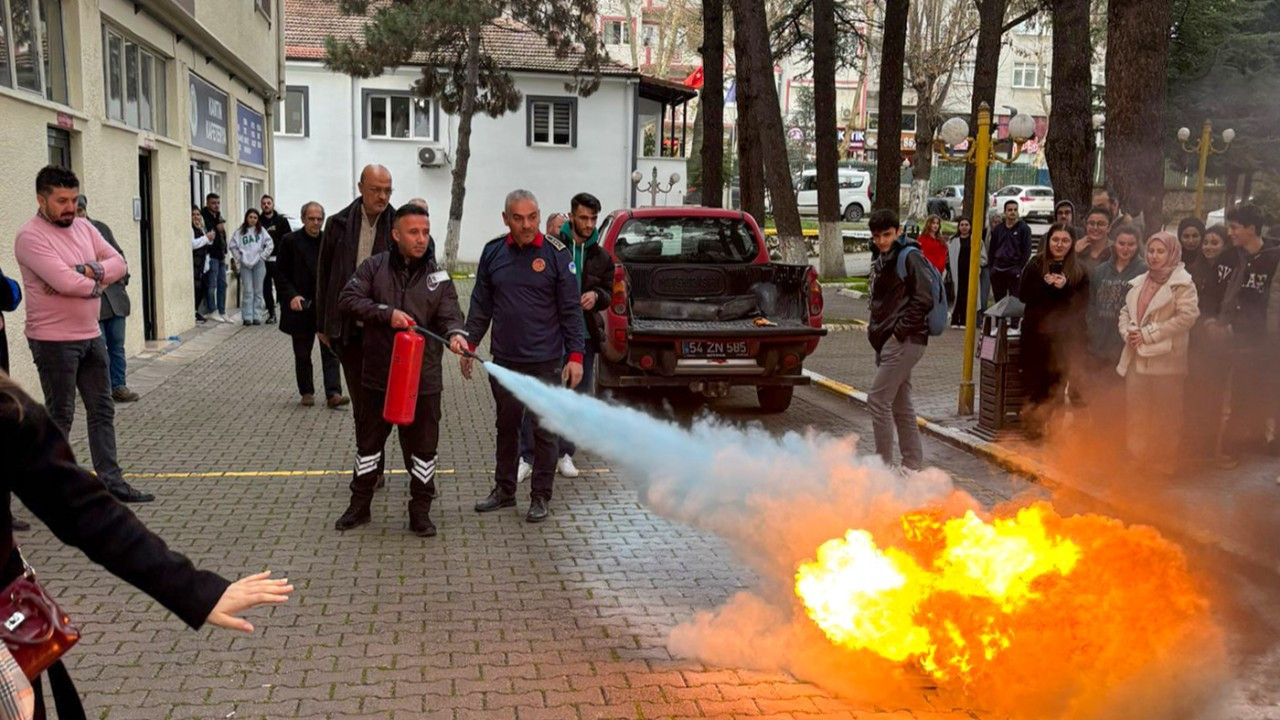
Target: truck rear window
{"type": "Point", "coordinates": [686, 240]}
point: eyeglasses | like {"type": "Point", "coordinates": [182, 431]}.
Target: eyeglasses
{"type": "Point", "coordinates": [1097, 224]}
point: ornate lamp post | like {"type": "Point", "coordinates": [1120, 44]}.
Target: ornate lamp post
{"type": "Point", "coordinates": [654, 186]}
{"type": "Point", "coordinates": [1204, 148]}
{"type": "Point", "coordinates": [980, 153]}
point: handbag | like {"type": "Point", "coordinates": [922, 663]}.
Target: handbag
{"type": "Point", "coordinates": [33, 627]}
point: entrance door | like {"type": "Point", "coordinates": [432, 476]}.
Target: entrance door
{"type": "Point", "coordinates": [148, 245]}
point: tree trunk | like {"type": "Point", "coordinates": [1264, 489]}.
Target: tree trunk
{"type": "Point", "coordinates": [458, 193]}
{"type": "Point", "coordinates": [1137, 51]}
{"type": "Point", "coordinates": [986, 73]}
{"type": "Point", "coordinates": [1069, 145]}
{"type": "Point", "coordinates": [1246, 187]}
{"type": "Point", "coordinates": [753, 27]}
{"type": "Point", "coordinates": [927, 100]}
{"type": "Point", "coordinates": [830, 242]}
{"type": "Point", "coordinates": [1231, 182]}
{"type": "Point", "coordinates": [711, 107]}
{"type": "Point", "coordinates": [889, 112]}
{"type": "Point", "coordinates": [750, 157]}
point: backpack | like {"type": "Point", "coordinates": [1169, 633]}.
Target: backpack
{"type": "Point", "coordinates": [937, 318]}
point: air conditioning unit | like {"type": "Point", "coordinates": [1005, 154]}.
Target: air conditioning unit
{"type": "Point", "coordinates": [430, 156]}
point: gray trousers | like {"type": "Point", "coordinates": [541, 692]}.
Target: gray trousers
{"type": "Point", "coordinates": [82, 365]}
{"type": "Point", "coordinates": [890, 403]}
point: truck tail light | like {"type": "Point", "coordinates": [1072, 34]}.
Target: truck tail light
{"type": "Point", "coordinates": [815, 293]}
{"type": "Point", "coordinates": [618, 302]}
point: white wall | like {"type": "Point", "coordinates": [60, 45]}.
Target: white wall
{"type": "Point", "coordinates": [325, 166]}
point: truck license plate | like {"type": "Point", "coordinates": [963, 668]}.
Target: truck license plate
{"type": "Point", "coordinates": [712, 349]}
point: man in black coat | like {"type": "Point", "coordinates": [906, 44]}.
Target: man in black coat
{"type": "Point", "coordinates": [297, 258]}
{"type": "Point", "coordinates": [351, 236]}
{"type": "Point", "coordinates": [391, 292]}
{"type": "Point", "coordinates": [277, 227]}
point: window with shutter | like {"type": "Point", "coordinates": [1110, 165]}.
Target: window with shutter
{"type": "Point", "coordinates": [551, 121]}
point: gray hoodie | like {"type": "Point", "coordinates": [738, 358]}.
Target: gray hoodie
{"type": "Point", "coordinates": [1108, 288]}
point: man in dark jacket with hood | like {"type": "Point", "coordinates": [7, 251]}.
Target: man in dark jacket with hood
{"type": "Point", "coordinates": [1009, 252]}
{"type": "Point", "coordinates": [297, 256]}
{"type": "Point", "coordinates": [351, 236]}
{"type": "Point", "coordinates": [393, 291]}
{"type": "Point", "coordinates": [899, 333]}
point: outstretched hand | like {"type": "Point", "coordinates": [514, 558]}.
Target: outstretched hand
{"type": "Point", "coordinates": [245, 593]}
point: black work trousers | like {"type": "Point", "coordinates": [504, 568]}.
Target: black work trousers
{"type": "Point", "coordinates": [351, 355]}
{"type": "Point", "coordinates": [510, 412]}
{"type": "Point", "coordinates": [304, 371]}
{"type": "Point", "coordinates": [418, 443]}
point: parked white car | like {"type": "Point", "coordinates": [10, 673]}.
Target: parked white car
{"type": "Point", "coordinates": [948, 203]}
{"type": "Point", "coordinates": [1033, 200]}
{"type": "Point", "coordinates": [855, 193]}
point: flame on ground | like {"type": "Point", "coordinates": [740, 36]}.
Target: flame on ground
{"type": "Point", "coordinates": [973, 603]}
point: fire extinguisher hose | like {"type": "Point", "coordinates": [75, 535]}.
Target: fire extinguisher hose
{"type": "Point", "coordinates": [423, 331]}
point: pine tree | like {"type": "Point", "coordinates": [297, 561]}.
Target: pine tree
{"type": "Point", "coordinates": [447, 37]}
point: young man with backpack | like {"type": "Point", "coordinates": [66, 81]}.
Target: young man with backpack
{"type": "Point", "coordinates": [904, 289]}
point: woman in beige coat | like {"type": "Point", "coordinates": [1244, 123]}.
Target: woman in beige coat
{"type": "Point", "coordinates": [1156, 324]}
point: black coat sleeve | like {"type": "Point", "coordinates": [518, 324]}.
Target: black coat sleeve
{"type": "Point", "coordinates": [286, 264]}
{"type": "Point", "coordinates": [913, 320]}
{"type": "Point", "coordinates": [598, 278]}
{"type": "Point", "coordinates": [324, 272]}
{"type": "Point", "coordinates": [10, 294]}
{"type": "Point", "coordinates": [76, 506]}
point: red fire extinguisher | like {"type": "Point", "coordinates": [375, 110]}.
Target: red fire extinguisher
{"type": "Point", "coordinates": [402, 381]}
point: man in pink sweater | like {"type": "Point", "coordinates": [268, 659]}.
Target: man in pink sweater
{"type": "Point", "coordinates": [65, 266]}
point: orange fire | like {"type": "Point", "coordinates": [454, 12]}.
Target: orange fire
{"type": "Point", "coordinates": [973, 603]}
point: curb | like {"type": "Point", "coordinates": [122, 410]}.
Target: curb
{"type": "Point", "coordinates": [1042, 474]}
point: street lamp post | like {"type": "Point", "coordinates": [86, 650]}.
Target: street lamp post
{"type": "Point", "coordinates": [654, 186]}
{"type": "Point", "coordinates": [980, 153]}
{"type": "Point", "coordinates": [1204, 148]}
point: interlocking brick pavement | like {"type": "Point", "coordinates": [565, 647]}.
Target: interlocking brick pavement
{"type": "Point", "coordinates": [494, 618]}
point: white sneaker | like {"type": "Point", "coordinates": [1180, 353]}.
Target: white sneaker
{"type": "Point", "coordinates": [566, 468]}
{"type": "Point", "coordinates": [525, 472]}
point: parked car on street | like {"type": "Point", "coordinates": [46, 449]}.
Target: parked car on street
{"type": "Point", "coordinates": [1033, 200]}
{"type": "Point", "coordinates": [698, 304]}
{"type": "Point", "coordinates": [948, 202]}
{"type": "Point", "coordinates": [855, 193]}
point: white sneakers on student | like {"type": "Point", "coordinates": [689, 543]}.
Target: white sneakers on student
{"type": "Point", "coordinates": [566, 468]}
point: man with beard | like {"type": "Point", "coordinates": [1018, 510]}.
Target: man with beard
{"type": "Point", "coordinates": [277, 227]}
{"type": "Point", "coordinates": [66, 265]}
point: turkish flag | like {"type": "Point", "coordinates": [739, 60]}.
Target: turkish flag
{"type": "Point", "coordinates": [695, 79]}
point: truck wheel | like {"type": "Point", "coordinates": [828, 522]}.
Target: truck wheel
{"type": "Point", "coordinates": [775, 398]}
{"type": "Point", "coordinates": [853, 213]}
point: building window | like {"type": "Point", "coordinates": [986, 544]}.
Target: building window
{"type": "Point", "coordinates": [250, 196]}
{"type": "Point", "coordinates": [1026, 75]}
{"type": "Point", "coordinates": [292, 114]}
{"type": "Point", "coordinates": [616, 31]}
{"type": "Point", "coordinates": [136, 80]}
{"type": "Point", "coordinates": [31, 47]}
{"type": "Point", "coordinates": [205, 181]}
{"type": "Point", "coordinates": [552, 121]}
{"type": "Point", "coordinates": [59, 148]}
{"type": "Point", "coordinates": [264, 7]}
{"type": "Point", "coordinates": [398, 116]}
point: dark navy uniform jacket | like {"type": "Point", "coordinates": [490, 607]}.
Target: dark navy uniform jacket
{"type": "Point", "coordinates": [531, 295]}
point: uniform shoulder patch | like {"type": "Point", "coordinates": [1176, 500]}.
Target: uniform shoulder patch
{"type": "Point", "coordinates": [555, 242]}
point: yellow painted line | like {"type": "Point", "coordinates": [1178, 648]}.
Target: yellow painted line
{"type": "Point", "coordinates": [290, 473]}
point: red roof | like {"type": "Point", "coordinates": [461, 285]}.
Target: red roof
{"type": "Point", "coordinates": [308, 22]}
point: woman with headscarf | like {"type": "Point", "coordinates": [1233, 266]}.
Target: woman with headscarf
{"type": "Point", "coordinates": [1191, 237]}
{"type": "Point", "coordinates": [958, 249]}
{"type": "Point", "coordinates": [1156, 322]}
{"type": "Point", "coordinates": [1055, 289]}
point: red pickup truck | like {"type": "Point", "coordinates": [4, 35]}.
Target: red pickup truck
{"type": "Point", "coordinates": [698, 304]}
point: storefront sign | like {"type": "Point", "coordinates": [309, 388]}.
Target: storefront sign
{"type": "Point", "coordinates": [249, 135]}
{"type": "Point", "coordinates": [208, 109]}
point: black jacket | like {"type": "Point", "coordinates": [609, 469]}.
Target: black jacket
{"type": "Point", "coordinates": [900, 307]}
{"type": "Point", "coordinates": [597, 277]}
{"type": "Point", "coordinates": [297, 257]}
{"type": "Point", "coordinates": [10, 296]}
{"type": "Point", "coordinates": [40, 469]}
{"type": "Point", "coordinates": [1010, 247]}
{"type": "Point", "coordinates": [218, 249]}
{"type": "Point", "coordinates": [115, 298]}
{"type": "Point", "coordinates": [277, 227]}
{"type": "Point", "coordinates": [337, 263]}
{"type": "Point", "coordinates": [389, 281]}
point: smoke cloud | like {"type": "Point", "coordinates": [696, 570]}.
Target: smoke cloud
{"type": "Point", "coordinates": [1131, 637]}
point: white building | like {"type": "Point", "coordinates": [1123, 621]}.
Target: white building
{"type": "Point", "coordinates": [555, 144]}
{"type": "Point", "coordinates": [152, 105]}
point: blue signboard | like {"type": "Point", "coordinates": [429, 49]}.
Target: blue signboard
{"type": "Point", "coordinates": [208, 115]}
{"type": "Point", "coordinates": [250, 135]}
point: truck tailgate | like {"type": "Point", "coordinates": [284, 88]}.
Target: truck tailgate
{"type": "Point", "coordinates": [743, 328]}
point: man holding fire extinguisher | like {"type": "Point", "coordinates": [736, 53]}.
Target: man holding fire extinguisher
{"type": "Point", "coordinates": [526, 284]}
{"type": "Point", "coordinates": [394, 291]}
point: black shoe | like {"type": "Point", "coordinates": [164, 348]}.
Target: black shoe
{"type": "Point", "coordinates": [496, 501]}
{"type": "Point", "coordinates": [271, 319]}
{"type": "Point", "coordinates": [357, 514]}
{"type": "Point", "coordinates": [538, 511]}
{"type": "Point", "coordinates": [257, 322]}
{"type": "Point", "coordinates": [19, 525]}
{"type": "Point", "coordinates": [124, 492]}
{"type": "Point", "coordinates": [200, 318]}
{"type": "Point", "coordinates": [247, 323]}
{"type": "Point", "coordinates": [382, 482]}
{"type": "Point", "coordinates": [420, 520]}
